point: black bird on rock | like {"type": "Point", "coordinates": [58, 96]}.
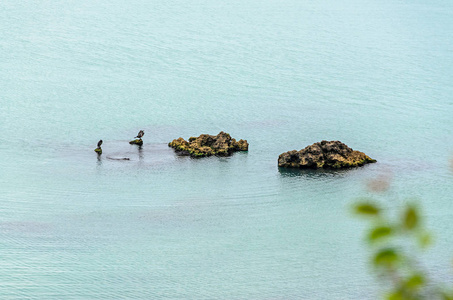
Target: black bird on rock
{"type": "Point", "coordinates": [140, 134]}
{"type": "Point", "coordinates": [98, 150]}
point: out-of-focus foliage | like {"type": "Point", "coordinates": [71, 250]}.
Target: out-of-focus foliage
{"type": "Point", "coordinates": [396, 242]}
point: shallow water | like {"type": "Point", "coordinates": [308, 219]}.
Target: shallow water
{"type": "Point", "coordinates": [375, 75]}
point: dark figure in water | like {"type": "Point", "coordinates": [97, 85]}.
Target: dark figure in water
{"type": "Point", "coordinates": [140, 134]}
{"type": "Point", "coordinates": [98, 150]}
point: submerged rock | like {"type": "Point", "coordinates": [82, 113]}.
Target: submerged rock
{"type": "Point", "coordinates": [326, 154]}
{"type": "Point", "coordinates": [136, 142]}
{"type": "Point", "coordinates": [207, 145]}
{"type": "Point", "coordinates": [98, 150]}
{"type": "Point", "coordinates": [118, 158]}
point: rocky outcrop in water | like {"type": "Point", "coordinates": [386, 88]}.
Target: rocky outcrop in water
{"type": "Point", "coordinates": [136, 142]}
{"type": "Point", "coordinates": [207, 145]}
{"type": "Point", "coordinates": [326, 154]}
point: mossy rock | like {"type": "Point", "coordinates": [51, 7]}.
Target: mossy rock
{"type": "Point", "coordinates": [98, 150]}
{"type": "Point", "coordinates": [324, 155]}
{"type": "Point", "coordinates": [207, 145]}
{"type": "Point", "coordinates": [136, 142]}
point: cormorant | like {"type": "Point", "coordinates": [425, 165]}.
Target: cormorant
{"type": "Point", "coordinates": [99, 143]}
{"type": "Point", "coordinates": [140, 134]}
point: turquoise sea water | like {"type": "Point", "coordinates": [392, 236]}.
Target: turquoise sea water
{"type": "Point", "coordinates": [281, 74]}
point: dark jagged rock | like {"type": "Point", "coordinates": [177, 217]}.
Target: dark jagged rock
{"type": "Point", "coordinates": [136, 142]}
{"type": "Point", "coordinates": [207, 145]}
{"type": "Point", "coordinates": [326, 154]}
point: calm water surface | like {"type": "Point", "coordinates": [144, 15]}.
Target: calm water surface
{"type": "Point", "coordinates": [374, 74]}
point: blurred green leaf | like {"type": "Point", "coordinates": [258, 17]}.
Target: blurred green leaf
{"type": "Point", "coordinates": [415, 281]}
{"type": "Point", "coordinates": [368, 209]}
{"type": "Point", "coordinates": [424, 239]}
{"type": "Point", "coordinates": [395, 296]}
{"type": "Point", "coordinates": [386, 258]}
{"type": "Point", "coordinates": [380, 232]}
{"type": "Point", "coordinates": [410, 218]}
{"type": "Point", "coordinates": [447, 295]}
